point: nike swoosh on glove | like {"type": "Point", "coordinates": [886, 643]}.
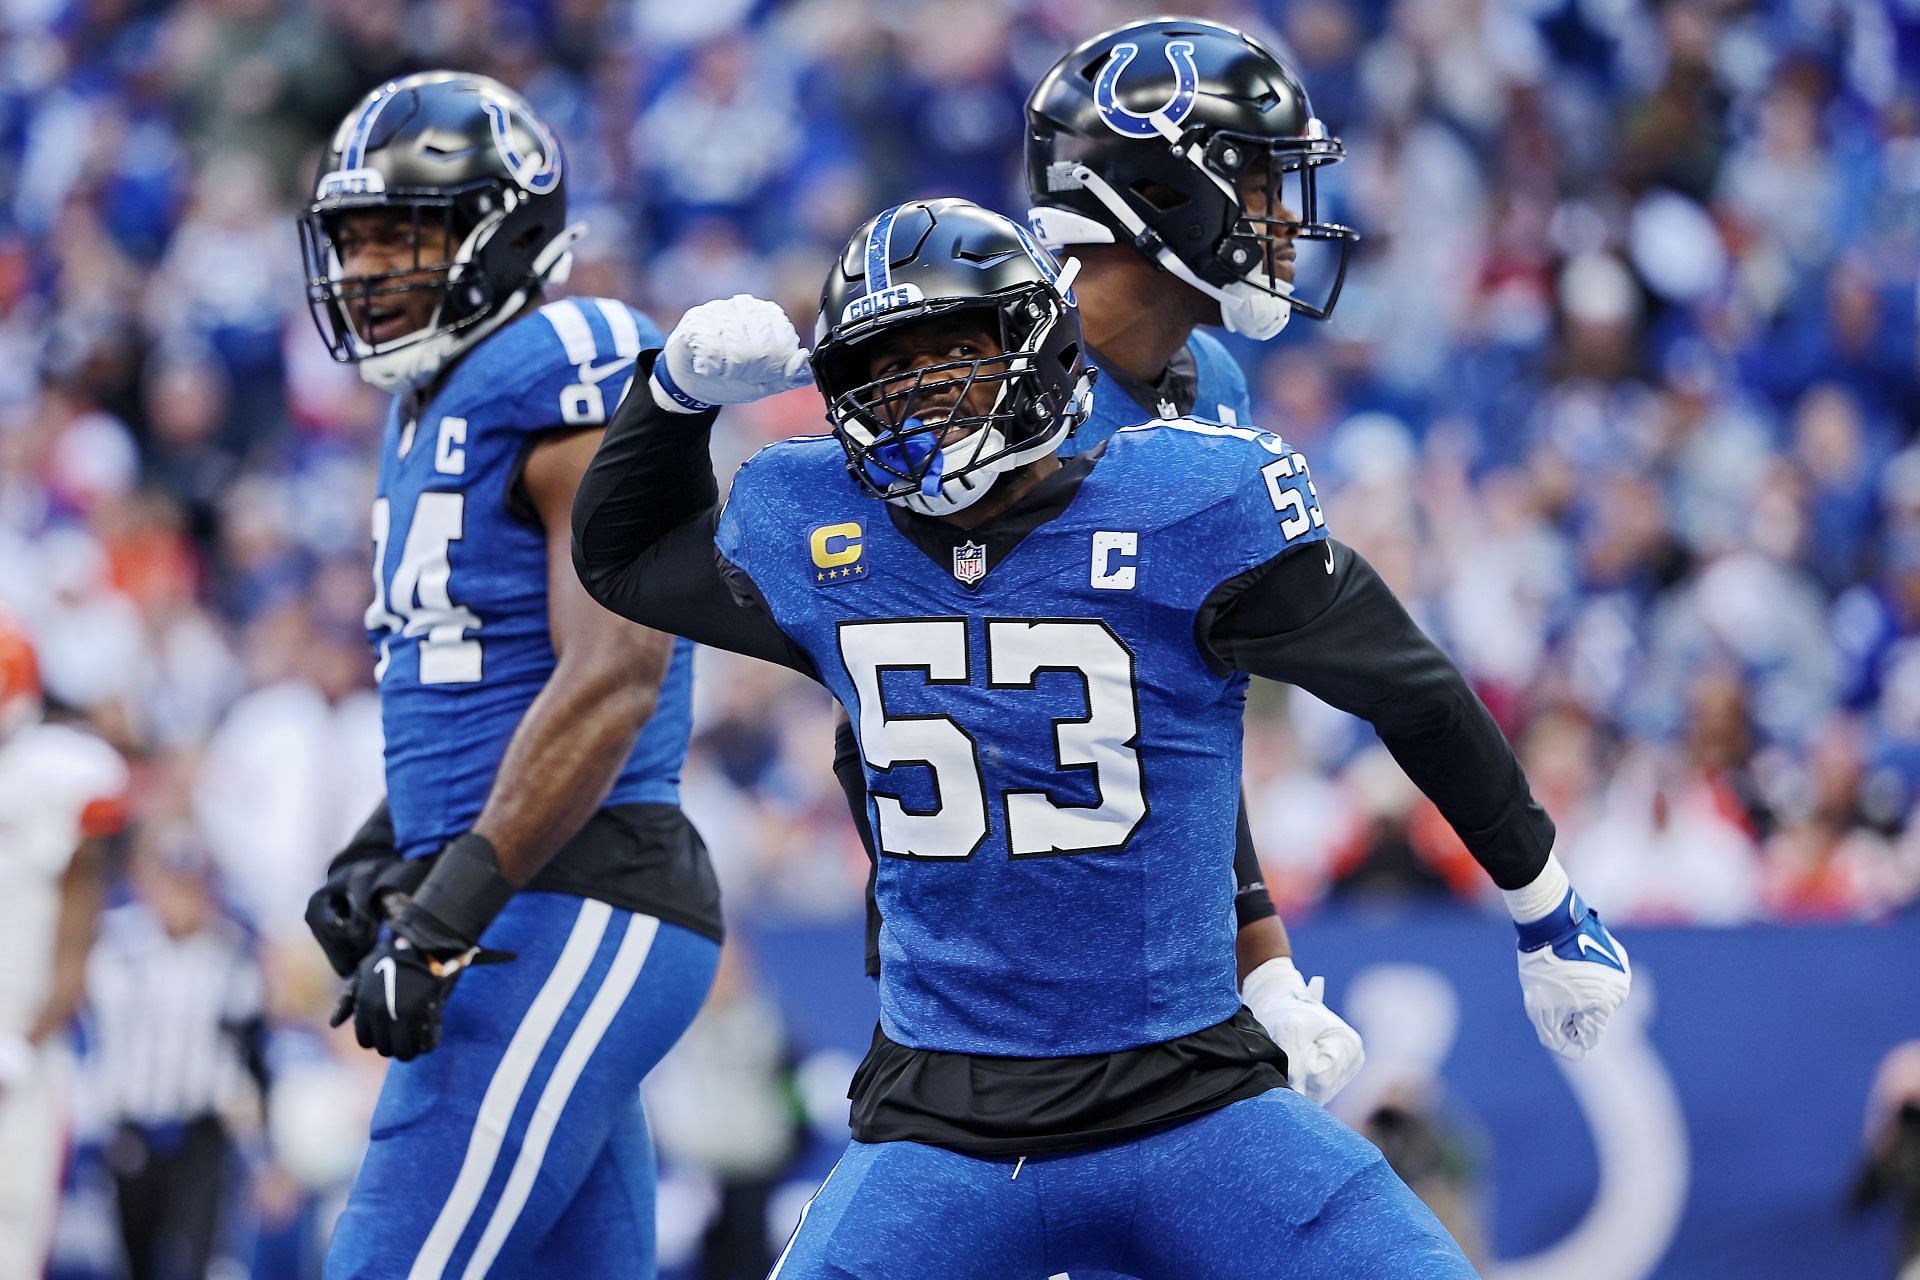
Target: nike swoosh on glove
{"type": "Point", "coordinates": [397, 995]}
{"type": "Point", "coordinates": [731, 351]}
{"type": "Point", "coordinates": [1573, 976]}
{"type": "Point", "coordinates": [1323, 1052]}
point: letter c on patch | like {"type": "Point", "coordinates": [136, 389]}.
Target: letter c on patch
{"type": "Point", "coordinates": [834, 545]}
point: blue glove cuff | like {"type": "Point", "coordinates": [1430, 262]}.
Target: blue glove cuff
{"type": "Point", "coordinates": [1556, 926]}
{"type": "Point", "coordinates": [1574, 932]}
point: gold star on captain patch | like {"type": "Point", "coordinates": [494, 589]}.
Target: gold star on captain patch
{"type": "Point", "coordinates": [819, 577]}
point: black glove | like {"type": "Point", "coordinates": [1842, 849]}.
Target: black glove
{"type": "Point", "coordinates": [344, 913]}
{"type": "Point", "coordinates": [396, 995]}
{"type": "Point", "coordinates": [402, 985]}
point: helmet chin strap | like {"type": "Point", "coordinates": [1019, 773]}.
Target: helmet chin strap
{"type": "Point", "coordinates": [1245, 307]}
{"type": "Point", "coordinates": [418, 362]}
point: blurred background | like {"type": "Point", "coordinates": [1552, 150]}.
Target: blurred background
{"type": "Point", "coordinates": [1621, 398]}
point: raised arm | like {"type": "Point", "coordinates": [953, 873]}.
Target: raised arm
{"type": "Point", "coordinates": [643, 526]}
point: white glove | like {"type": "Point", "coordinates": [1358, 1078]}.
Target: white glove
{"type": "Point", "coordinates": [729, 352]}
{"type": "Point", "coordinates": [1323, 1052]}
{"type": "Point", "coordinates": [1573, 975]}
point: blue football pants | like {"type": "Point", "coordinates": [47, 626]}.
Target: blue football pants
{"type": "Point", "coordinates": [518, 1147]}
{"type": "Point", "coordinates": [1271, 1188]}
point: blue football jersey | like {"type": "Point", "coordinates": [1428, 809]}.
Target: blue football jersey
{"type": "Point", "coordinates": [1053, 761]}
{"type": "Point", "coordinates": [459, 614]}
{"type": "Point", "coordinates": [1220, 395]}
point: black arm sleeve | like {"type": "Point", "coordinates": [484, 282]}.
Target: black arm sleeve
{"type": "Point", "coordinates": [374, 839]}
{"type": "Point", "coordinates": [1342, 636]}
{"type": "Point", "coordinates": [852, 777]}
{"type": "Point", "coordinates": [643, 525]}
{"type": "Point", "coordinates": [1251, 901]}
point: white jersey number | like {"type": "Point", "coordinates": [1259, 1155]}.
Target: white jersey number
{"type": "Point", "coordinates": [1017, 651]}
{"type": "Point", "coordinates": [420, 592]}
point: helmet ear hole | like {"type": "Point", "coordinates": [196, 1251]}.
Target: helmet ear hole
{"type": "Point", "coordinates": [1161, 197]}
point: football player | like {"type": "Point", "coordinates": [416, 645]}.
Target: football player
{"type": "Point", "coordinates": [1045, 661]}
{"type": "Point", "coordinates": [1164, 152]}
{"type": "Point", "coordinates": [62, 793]}
{"type": "Point", "coordinates": [533, 741]}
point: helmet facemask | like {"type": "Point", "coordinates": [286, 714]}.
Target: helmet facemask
{"type": "Point", "coordinates": [1194, 144]}
{"type": "Point", "coordinates": [469, 302]}
{"type": "Point", "coordinates": [910, 436]}
{"type": "Point", "coordinates": [1263, 178]}
{"type": "Point", "coordinates": [340, 302]}
{"type": "Point", "coordinates": [1247, 257]}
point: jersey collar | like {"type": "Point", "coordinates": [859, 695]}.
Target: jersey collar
{"type": "Point", "coordinates": [1004, 532]}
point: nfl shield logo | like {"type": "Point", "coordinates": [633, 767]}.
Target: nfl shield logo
{"type": "Point", "coordinates": [970, 563]}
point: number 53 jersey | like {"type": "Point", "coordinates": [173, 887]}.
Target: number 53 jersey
{"type": "Point", "coordinates": [1052, 757]}
{"type": "Point", "coordinates": [459, 615]}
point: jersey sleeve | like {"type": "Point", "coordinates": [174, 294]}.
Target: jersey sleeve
{"type": "Point", "coordinates": [578, 362]}
{"type": "Point", "coordinates": [757, 504]}
{"type": "Point", "coordinates": [1273, 506]}
{"type": "Point", "coordinates": [732, 538]}
{"type": "Point", "coordinates": [644, 534]}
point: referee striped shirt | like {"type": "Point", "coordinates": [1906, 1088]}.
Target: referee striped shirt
{"type": "Point", "coordinates": [164, 1017]}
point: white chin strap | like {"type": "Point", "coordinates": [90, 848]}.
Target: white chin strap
{"type": "Point", "coordinates": [1246, 306]}
{"type": "Point", "coordinates": [416, 363]}
{"type": "Point", "coordinates": [1257, 311]}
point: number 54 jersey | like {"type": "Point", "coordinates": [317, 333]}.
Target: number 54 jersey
{"type": "Point", "coordinates": [1052, 758]}
{"type": "Point", "coordinates": [459, 615]}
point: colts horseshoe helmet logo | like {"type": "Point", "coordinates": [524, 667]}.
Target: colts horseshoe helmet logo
{"type": "Point", "coordinates": [1135, 124]}
{"type": "Point", "coordinates": [538, 174]}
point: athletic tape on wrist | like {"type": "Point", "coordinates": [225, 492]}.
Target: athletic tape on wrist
{"type": "Point", "coordinates": [465, 889]}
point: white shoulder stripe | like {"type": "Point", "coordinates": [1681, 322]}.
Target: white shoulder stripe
{"type": "Point", "coordinates": [613, 992]}
{"type": "Point", "coordinates": [1253, 435]}
{"type": "Point", "coordinates": [626, 331]}
{"type": "Point", "coordinates": [509, 1081]}
{"type": "Point", "coordinates": [576, 334]}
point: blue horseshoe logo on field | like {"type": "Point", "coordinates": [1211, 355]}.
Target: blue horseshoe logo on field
{"type": "Point", "coordinates": [1135, 124]}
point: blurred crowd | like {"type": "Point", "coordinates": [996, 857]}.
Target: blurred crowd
{"type": "Point", "coordinates": [1619, 398]}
